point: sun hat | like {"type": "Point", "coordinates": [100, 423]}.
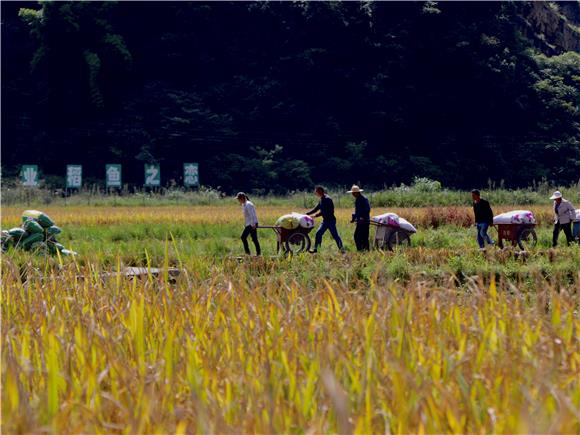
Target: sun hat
{"type": "Point", "coordinates": [355, 189]}
{"type": "Point", "coordinates": [557, 194]}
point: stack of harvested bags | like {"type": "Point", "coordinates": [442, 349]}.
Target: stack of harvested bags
{"type": "Point", "coordinates": [394, 220]}
{"type": "Point", "coordinates": [294, 220]}
{"type": "Point", "coordinates": [37, 233]}
{"type": "Point", "coordinates": [515, 217]}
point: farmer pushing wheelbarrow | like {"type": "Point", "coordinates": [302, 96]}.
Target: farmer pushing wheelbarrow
{"type": "Point", "coordinates": [291, 229]}
{"type": "Point", "coordinates": [292, 233]}
{"type": "Point", "coordinates": [325, 209]}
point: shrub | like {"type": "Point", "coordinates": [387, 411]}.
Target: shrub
{"type": "Point", "coordinates": [424, 184]}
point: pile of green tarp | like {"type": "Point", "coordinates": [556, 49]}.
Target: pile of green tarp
{"type": "Point", "coordinates": [36, 234]}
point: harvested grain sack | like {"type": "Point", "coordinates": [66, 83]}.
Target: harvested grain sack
{"type": "Point", "coordinates": [394, 220]}
{"type": "Point", "coordinates": [288, 222]}
{"type": "Point", "coordinates": [515, 217]}
{"type": "Point", "coordinates": [32, 227]}
{"type": "Point", "coordinates": [57, 246]}
{"type": "Point", "coordinates": [294, 220]}
{"type": "Point", "coordinates": [39, 247]}
{"type": "Point", "coordinates": [17, 233]}
{"type": "Point", "coordinates": [30, 240]}
{"type": "Point", "coordinates": [53, 231]}
{"type": "Point", "coordinates": [68, 253]}
{"type": "Point", "coordinates": [6, 240]}
{"type": "Point", "coordinates": [387, 219]}
{"type": "Point", "coordinates": [37, 234]}
{"type": "Point", "coordinates": [406, 225]}
{"type": "Point", "coordinates": [305, 220]}
{"type": "Point", "coordinates": [42, 218]}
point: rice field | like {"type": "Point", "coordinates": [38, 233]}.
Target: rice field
{"type": "Point", "coordinates": [438, 338]}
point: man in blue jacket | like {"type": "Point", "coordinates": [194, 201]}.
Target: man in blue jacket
{"type": "Point", "coordinates": [362, 218]}
{"type": "Point", "coordinates": [325, 208]}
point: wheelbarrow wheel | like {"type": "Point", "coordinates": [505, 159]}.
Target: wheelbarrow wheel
{"type": "Point", "coordinates": [297, 242]}
{"type": "Point", "coordinates": [399, 240]}
{"type": "Point", "coordinates": [527, 239]}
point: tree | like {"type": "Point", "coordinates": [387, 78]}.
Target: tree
{"type": "Point", "coordinates": [80, 57]}
{"type": "Point", "coordinates": [371, 92]}
{"type": "Point", "coordinates": [558, 91]}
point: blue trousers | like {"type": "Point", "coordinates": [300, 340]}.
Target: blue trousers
{"type": "Point", "coordinates": [482, 235]}
{"type": "Point", "coordinates": [324, 226]}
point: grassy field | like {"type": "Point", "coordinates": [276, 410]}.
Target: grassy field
{"type": "Point", "coordinates": [439, 338]}
{"type": "Point", "coordinates": [419, 194]}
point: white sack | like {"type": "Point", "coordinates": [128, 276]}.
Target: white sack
{"type": "Point", "coordinates": [406, 225]}
{"type": "Point", "coordinates": [387, 219]}
{"type": "Point", "coordinates": [394, 220]}
{"type": "Point", "coordinates": [515, 217]}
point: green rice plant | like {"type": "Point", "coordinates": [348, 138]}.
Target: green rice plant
{"type": "Point", "coordinates": [356, 342]}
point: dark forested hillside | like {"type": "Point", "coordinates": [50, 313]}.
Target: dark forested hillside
{"type": "Point", "coordinates": [280, 95]}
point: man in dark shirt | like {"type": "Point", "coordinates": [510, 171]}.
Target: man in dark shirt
{"type": "Point", "coordinates": [362, 217]}
{"type": "Point", "coordinates": [483, 218]}
{"type": "Point", "coordinates": [325, 208]}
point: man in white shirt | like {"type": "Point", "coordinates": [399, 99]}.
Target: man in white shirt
{"type": "Point", "coordinates": [251, 223]}
{"type": "Point", "coordinates": [564, 214]}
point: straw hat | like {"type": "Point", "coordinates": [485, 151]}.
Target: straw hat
{"type": "Point", "coordinates": [355, 189]}
{"type": "Point", "coordinates": [557, 194]}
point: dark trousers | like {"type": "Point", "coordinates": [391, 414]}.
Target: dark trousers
{"type": "Point", "coordinates": [482, 235]}
{"type": "Point", "coordinates": [249, 231]}
{"type": "Point", "coordinates": [567, 228]}
{"type": "Point", "coordinates": [361, 236]}
{"type": "Point", "coordinates": [324, 226]}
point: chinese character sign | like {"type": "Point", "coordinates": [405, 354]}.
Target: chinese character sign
{"type": "Point", "coordinates": [29, 175]}
{"type": "Point", "coordinates": [152, 175]}
{"type": "Point", "coordinates": [113, 175]}
{"type": "Point", "coordinates": [74, 176]}
{"type": "Point", "coordinates": [191, 174]}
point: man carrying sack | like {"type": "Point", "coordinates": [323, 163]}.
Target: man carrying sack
{"type": "Point", "coordinates": [362, 218]}
{"type": "Point", "coordinates": [564, 214]}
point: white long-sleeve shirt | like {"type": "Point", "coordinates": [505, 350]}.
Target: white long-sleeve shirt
{"type": "Point", "coordinates": [250, 215]}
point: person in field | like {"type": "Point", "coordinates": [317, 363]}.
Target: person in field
{"type": "Point", "coordinates": [362, 218]}
{"type": "Point", "coordinates": [251, 223]}
{"type": "Point", "coordinates": [483, 218]}
{"type": "Point", "coordinates": [564, 214]}
{"type": "Point", "coordinates": [325, 208]}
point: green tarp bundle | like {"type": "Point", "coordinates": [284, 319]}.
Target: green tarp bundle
{"type": "Point", "coordinates": [36, 234]}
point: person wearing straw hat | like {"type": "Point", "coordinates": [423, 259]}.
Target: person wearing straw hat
{"type": "Point", "coordinates": [564, 214]}
{"type": "Point", "coordinates": [362, 218]}
{"type": "Point", "coordinates": [251, 222]}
